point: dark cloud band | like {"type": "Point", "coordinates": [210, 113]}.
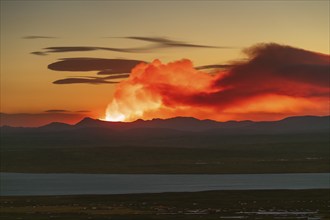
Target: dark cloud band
{"type": "Point", "coordinates": [164, 42]}
{"type": "Point", "coordinates": [91, 79]}
{"type": "Point", "coordinates": [104, 66]}
{"type": "Point", "coordinates": [82, 81]}
{"type": "Point", "coordinates": [158, 43]}
{"type": "Point", "coordinates": [38, 37]}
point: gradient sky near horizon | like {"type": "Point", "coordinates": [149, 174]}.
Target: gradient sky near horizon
{"type": "Point", "coordinates": [29, 96]}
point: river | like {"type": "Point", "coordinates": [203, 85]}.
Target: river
{"type": "Point", "coordinates": [23, 184]}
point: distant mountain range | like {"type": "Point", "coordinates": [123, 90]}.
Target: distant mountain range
{"type": "Point", "coordinates": [299, 124]}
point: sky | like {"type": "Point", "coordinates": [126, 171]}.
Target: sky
{"type": "Point", "coordinates": [63, 60]}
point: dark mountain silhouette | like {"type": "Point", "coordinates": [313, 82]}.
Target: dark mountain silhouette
{"type": "Point", "coordinates": [291, 124]}
{"type": "Point", "coordinates": [297, 124]}
{"type": "Point", "coordinates": [179, 123]}
{"type": "Point", "coordinates": [55, 126]}
{"type": "Point", "coordinates": [301, 124]}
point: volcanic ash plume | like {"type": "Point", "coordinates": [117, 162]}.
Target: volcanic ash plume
{"type": "Point", "coordinates": [150, 90]}
{"type": "Point", "coordinates": [274, 82]}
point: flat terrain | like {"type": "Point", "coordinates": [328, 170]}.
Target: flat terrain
{"type": "Point", "coordinates": [261, 204]}
{"type": "Point", "coordinates": [213, 154]}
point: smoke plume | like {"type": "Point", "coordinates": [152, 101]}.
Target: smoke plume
{"type": "Point", "coordinates": [273, 82]}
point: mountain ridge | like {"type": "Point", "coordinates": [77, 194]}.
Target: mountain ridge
{"type": "Point", "coordinates": [188, 124]}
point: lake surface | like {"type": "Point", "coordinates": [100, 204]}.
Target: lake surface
{"type": "Point", "coordinates": [15, 184]}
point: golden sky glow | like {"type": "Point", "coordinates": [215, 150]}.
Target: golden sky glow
{"type": "Point", "coordinates": [27, 84]}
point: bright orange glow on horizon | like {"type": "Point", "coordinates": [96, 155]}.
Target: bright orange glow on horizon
{"type": "Point", "coordinates": [135, 98]}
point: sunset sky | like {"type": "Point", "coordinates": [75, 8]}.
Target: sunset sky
{"type": "Point", "coordinates": [62, 60]}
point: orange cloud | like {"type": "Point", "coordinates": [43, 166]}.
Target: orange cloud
{"type": "Point", "coordinates": [274, 81]}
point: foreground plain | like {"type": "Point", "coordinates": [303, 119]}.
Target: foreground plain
{"type": "Point", "coordinates": [281, 153]}
{"type": "Point", "coordinates": [260, 204]}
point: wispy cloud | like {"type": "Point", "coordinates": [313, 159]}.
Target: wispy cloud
{"type": "Point", "coordinates": [85, 48]}
{"type": "Point", "coordinates": [82, 81]}
{"type": "Point", "coordinates": [91, 79]}
{"type": "Point", "coordinates": [38, 37]}
{"type": "Point", "coordinates": [157, 43]}
{"type": "Point", "coordinates": [56, 111]}
{"type": "Point", "coordinates": [165, 42]}
{"type": "Point", "coordinates": [104, 66]}
{"type": "Point", "coordinates": [39, 53]}
{"type": "Point", "coordinates": [49, 50]}
{"type": "Point", "coordinates": [213, 66]}
{"type": "Point", "coordinates": [114, 68]}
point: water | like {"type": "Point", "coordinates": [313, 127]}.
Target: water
{"type": "Point", "coordinates": [15, 184]}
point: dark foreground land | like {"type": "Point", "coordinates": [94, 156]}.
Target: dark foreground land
{"type": "Point", "coordinates": [261, 204]}
{"type": "Point", "coordinates": [278, 153]}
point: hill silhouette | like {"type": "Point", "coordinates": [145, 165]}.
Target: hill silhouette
{"type": "Point", "coordinates": [296, 124]}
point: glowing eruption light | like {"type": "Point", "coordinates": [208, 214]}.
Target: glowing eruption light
{"type": "Point", "coordinates": [144, 94]}
{"type": "Point", "coordinates": [274, 82]}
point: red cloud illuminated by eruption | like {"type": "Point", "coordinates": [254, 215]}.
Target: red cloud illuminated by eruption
{"type": "Point", "coordinates": [274, 81]}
